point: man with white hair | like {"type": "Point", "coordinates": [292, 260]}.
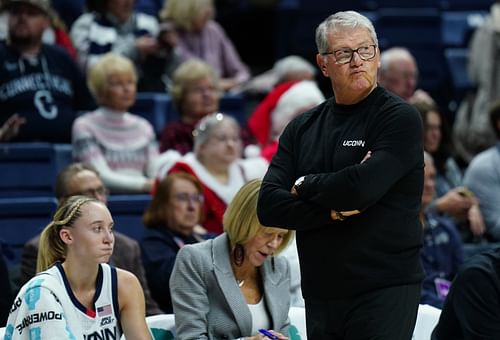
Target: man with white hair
{"type": "Point", "coordinates": [348, 176]}
{"type": "Point", "coordinates": [398, 73]}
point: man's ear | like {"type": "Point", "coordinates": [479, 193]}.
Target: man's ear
{"type": "Point", "coordinates": [320, 60]}
{"type": "Point", "coordinates": [65, 235]}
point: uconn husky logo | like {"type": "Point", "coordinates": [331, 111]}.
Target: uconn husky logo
{"type": "Point", "coordinates": [354, 143]}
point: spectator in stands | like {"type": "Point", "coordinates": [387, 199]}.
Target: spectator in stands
{"type": "Point", "coordinates": [55, 34]}
{"type": "Point", "coordinates": [398, 73]}
{"type": "Point", "coordinates": [158, 68]}
{"type": "Point", "coordinates": [290, 68]}
{"type": "Point", "coordinates": [201, 37]}
{"type": "Point", "coordinates": [216, 162]}
{"type": "Point", "coordinates": [471, 129]}
{"type": "Point", "coordinates": [472, 308]}
{"type": "Point", "coordinates": [39, 82]}
{"type": "Point", "coordinates": [116, 28]}
{"type": "Point", "coordinates": [233, 285]}
{"type": "Point", "coordinates": [442, 252]}
{"type": "Point", "coordinates": [195, 93]}
{"type": "Point", "coordinates": [5, 289]}
{"type": "Point", "coordinates": [78, 295]}
{"type": "Point", "coordinates": [483, 178]}
{"type": "Point", "coordinates": [451, 198]}
{"type": "Point", "coordinates": [122, 146]}
{"type": "Point", "coordinates": [172, 221]}
{"type": "Point", "coordinates": [83, 179]}
{"type": "Point", "coordinates": [281, 105]}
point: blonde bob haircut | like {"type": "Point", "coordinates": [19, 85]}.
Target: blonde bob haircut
{"type": "Point", "coordinates": [191, 70]}
{"type": "Point", "coordinates": [241, 223]}
{"type": "Point", "coordinates": [52, 248]}
{"type": "Point", "coordinates": [106, 66]}
{"type": "Point", "coordinates": [184, 12]}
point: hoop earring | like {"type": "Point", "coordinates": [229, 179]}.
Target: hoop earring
{"type": "Point", "coordinates": [238, 254]}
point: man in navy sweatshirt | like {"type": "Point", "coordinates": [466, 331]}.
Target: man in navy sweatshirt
{"type": "Point", "coordinates": [41, 83]}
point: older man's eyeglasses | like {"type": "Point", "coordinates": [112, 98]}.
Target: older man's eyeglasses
{"type": "Point", "coordinates": [188, 198]}
{"type": "Point", "coordinates": [345, 55]}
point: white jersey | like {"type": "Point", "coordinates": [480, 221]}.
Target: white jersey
{"type": "Point", "coordinates": [104, 321]}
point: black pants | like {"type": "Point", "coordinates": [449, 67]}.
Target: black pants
{"type": "Point", "coordinates": [384, 314]}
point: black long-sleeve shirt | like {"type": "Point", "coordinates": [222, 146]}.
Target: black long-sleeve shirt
{"type": "Point", "coordinates": [378, 247]}
{"type": "Point", "coordinates": [471, 310]}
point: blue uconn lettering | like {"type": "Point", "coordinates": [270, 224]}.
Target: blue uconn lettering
{"type": "Point", "coordinates": [103, 334]}
{"type": "Point", "coordinates": [354, 143]}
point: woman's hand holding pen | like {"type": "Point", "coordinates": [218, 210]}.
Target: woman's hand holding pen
{"type": "Point", "coordinates": [267, 335]}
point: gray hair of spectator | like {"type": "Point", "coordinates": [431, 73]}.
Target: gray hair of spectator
{"type": "Point", "coordinates": [206, 126]}
{"type": "Point", "coordinates": [188, 72]}
{"type": "Point", "coordinates": [495, 118]}
{"type": "Point", "coordinates": [106, 66]}
{"type": "Point", "coordinates": [184, 12]}
{"type": "Point", "coordinates": [341, 21]}
{"type": "Point", "coordinates": [388, 56]}
{"type": "Point", "coordinates": [292, 64]}
{"type": "Point", "coordinates": [66, 174]}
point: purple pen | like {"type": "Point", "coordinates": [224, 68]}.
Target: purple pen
{"type": "Point", "coordinates": [268, 334]}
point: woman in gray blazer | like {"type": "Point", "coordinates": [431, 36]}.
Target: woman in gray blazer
{"type": "Point", "coordinates": [233, 285]}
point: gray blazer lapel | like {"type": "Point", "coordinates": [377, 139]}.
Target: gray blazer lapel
{"type": "Point", "coordinates": [275, 290]}
{"type": "Point", "coordinates": [227, 282]}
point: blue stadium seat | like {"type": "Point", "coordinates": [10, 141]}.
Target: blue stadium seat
{"type": "Point", "coordinates": [457, 65]}
{"type": "Point", "coordinates": [408, 27]}
{"type": "Point", "coordinates": [63, 155]}
{"type": "Point", "coordinates": [157, 108]}
{"type": "Point", "coordinates": [22, 218]}
{"type": "Point", "coordinates": [376, 4]}
{"type": "Point", "coordinates": [127, 211]}
{"type": "Point", "coordinates": [432, 68]}
{"type": "Point", "coordinates": [457, 27]}
{"type": "Point", "coordinates": [151, 7]}
{"type": "Point", "coordinates": [466, 5]}
{"type": "Point", "coordinates": [456, 59]}
{"type": "Point", "coordinates": [234, 105]}
{"type": "Point", "coordinates": [30, 169]}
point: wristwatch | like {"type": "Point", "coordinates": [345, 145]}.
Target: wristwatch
{"type": "Point", "coordinates": [298, 183]}
{"type": "Point", "coordinates": [338, 215]}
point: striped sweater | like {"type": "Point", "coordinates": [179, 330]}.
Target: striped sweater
{"type": "Point", "coordinates": [122, 147]}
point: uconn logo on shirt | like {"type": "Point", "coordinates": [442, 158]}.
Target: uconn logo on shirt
{"type": "Point", "coordinates": [103, 334]}
{"type": "Point", "coordinates": [354, 143]}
